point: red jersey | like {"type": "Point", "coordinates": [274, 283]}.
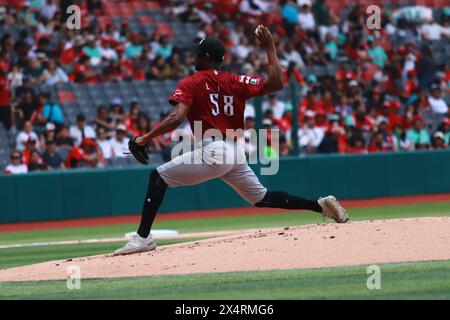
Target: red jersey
{"type": "Point", "coordinates": [5, 96]}
{"type": "Point", "coordinates": [217, 98]}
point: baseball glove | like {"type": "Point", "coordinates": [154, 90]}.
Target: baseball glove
{"type": "Point", "coordinates": [140, 153]}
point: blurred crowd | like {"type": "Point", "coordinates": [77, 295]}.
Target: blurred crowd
{"type": "Point", "coordinates": [388, 91]}
{"type": "Point", "coordinates": [89, 143]}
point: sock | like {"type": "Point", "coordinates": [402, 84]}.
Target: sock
{"type": "Point", "coordinates": [153, 199]}
{"type": "Point", "coordinates": [283, 200]}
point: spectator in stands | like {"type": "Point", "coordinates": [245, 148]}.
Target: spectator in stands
{"type": "Point", "coordinates": [418, 135]}
{"type": "Point", "coordinates": [159, 70]}
{"type": "Point", "coordinates": [52, 160]}
{"type": "Point", "coordinates": [306, 18]}
{"type": "Point", "coordinates": [273, 103]}
{"type": "Point", "coordinates": [35, 162]}
{"type": "Point", "coordinates": [330, 141]}
{"type": "Point", "coordinates": [426, 67]}
{"type": "Point", "coordinates": [87, 154]}
{"type": "Point", "coordinates": [104, 142]}
{"type": "Point", "coordinates": [92, 50]}
{"type": "Point", "coordinates": [5, 100]}
{"type": "Point", "coordinates": [438, 141]}
{"type": "Point", "coordinates": [26, 108]}
{"type": "Point", "coordinates": [165, 48]}
{"type": "Point", "coordinates": [437, 104]}
{"type": "Point", "coordinates": [25, 135]}
{"type": "Point", "coordinates": [134, 48]}
{"type": "Point", "coordinates": [131, 119]}
{"type": "Point", "coordinates": [402, 143]}
{"type": "Point", "coordinates": [51, 111]}
{"type": "Point", "coordinates": [142, 125]}
{"type": "Point", "coordinates": [104, 120]}
{"type": "Point", "coordinates": [48, 134]}
{"type": "Point", "coordinates": [119, 142]}
{"type": "Point", "coordinates": [431, 30]}
{"type": "Point", "coordinates": [35, 70]}
{"type": "Point", "coordinates": [310, 135]}
{"type": "Point", "coordinates": [16, 166]}
{"type": "Point", "coordinates": [331, 47]}
{"type": "Point", "coordinates": [53, 74]}
{"type": "Point", "coordinates": [377, 143]}
{"type": "Point", "coordinates": [116, 111]}
{"type": "Point", "coordinates": [376, 52]}
{"type": "Point", "coordinates": [73, 52]}
{"type": "Point", "coordinates": [411, 84]}
{"type": "Point", "coordinates": [63, 138]}
{"type": "Point", "coordinates": [356, 145]}
{"type": "Point", "coordinates": [83, 72]}
{"type": "Point", "coordinates": [444, 127]}
{"type": "Point", "coordinates": [81, 130]}
{"type": "Point", "coordinates": [106, 50]}
{"type": "Point", "coordinates": [343, 108]}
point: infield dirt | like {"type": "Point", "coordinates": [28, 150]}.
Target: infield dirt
{"type": "Point", "coordinates": [310, 246]}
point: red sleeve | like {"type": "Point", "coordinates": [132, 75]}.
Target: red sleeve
{"type": "Point", "coordinates": [248, 86]}
{"type": "Point", "coordinates": [183, 93]}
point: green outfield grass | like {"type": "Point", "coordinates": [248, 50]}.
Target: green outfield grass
{"type": "Point", "coordinates": [424, 280]}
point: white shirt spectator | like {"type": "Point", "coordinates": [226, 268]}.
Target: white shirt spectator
{"type": "Point", "coordinates": [241, 51]}
{"type": "Point", "coordinates": [108, 53]}
{"type": "Point", "coordinates": [57, 77]}
{"type": "Point", "coordinates": [257, 7]}
{"type": "Point", "coordinates": [308, 136]}
{"type": "Point", "coordinates": [23, 137]}
{"type": "Point", "coordinates": [294, 56]}
{"type": "Point", "coordinates": [437, 105]}
{"type": "Point", "coordinates": [306, 20]}
{"type": "Point", "coordinates": [249, 110]}
{"type": "Point", "coordinates": [49, 9]}
{"type": "Point", "coordinates": [119, 146]}
{"type": "Point", "coordinates": [106, 147]}
{"type": "Point", "coordinates": [16, 169]}
{"type": "Point", "coordinates": [431, 31]}
{"type": "Point", "coordinates": [277, 107]}
{"type": "Point", "coordinates": [77, 135]}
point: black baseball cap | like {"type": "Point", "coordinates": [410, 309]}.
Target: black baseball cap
{"type": "Point", "coordinates": [212, 48]}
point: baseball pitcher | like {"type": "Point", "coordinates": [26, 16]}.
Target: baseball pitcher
{"type": "Point", "coordinates": [216, 99]}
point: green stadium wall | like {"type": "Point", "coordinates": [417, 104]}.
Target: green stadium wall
{"type": "Point", "coordinates": [108, 192]}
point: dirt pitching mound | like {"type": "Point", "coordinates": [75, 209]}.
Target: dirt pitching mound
{"type": "Point", "coordinates": [311, 246]}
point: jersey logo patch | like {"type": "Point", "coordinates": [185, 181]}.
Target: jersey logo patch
{"type": "Point", "coordinates": [247, 80]}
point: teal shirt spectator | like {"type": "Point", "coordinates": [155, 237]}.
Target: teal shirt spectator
{"type": "Point", "coordinates": [290, 14]}
{"type": "Point", "coordinates": [332, 49]}
{"type": "Point", "coordinates": [447, 137]}
{"type": "Point", "coordinates": [35, 3]}
{"type": "Point", "coordinates": [28, 18]}
{"type": "Point", "coordinates": [165, 51]}
{"type": "Point", "coordinates": [377, 53]}
{"type": "Point", "coordinates": [418, 137]}
{"type": "Point", "coordinates": [133, 51]}
{"type": "Point", "coordinates": [92, 52]}
{"type": "Point", "coordinates": [53, 113]}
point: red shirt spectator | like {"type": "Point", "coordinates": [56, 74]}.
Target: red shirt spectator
{"type": "Point", "coordinates": [411, 84]}
{"type": "Point", "coordinates": [83, 72]}
{"type": "Point", "coordinates": [86, 155]}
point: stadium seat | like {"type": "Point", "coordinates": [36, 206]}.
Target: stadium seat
{"type": "Point", "coordinates": [66, 96]}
